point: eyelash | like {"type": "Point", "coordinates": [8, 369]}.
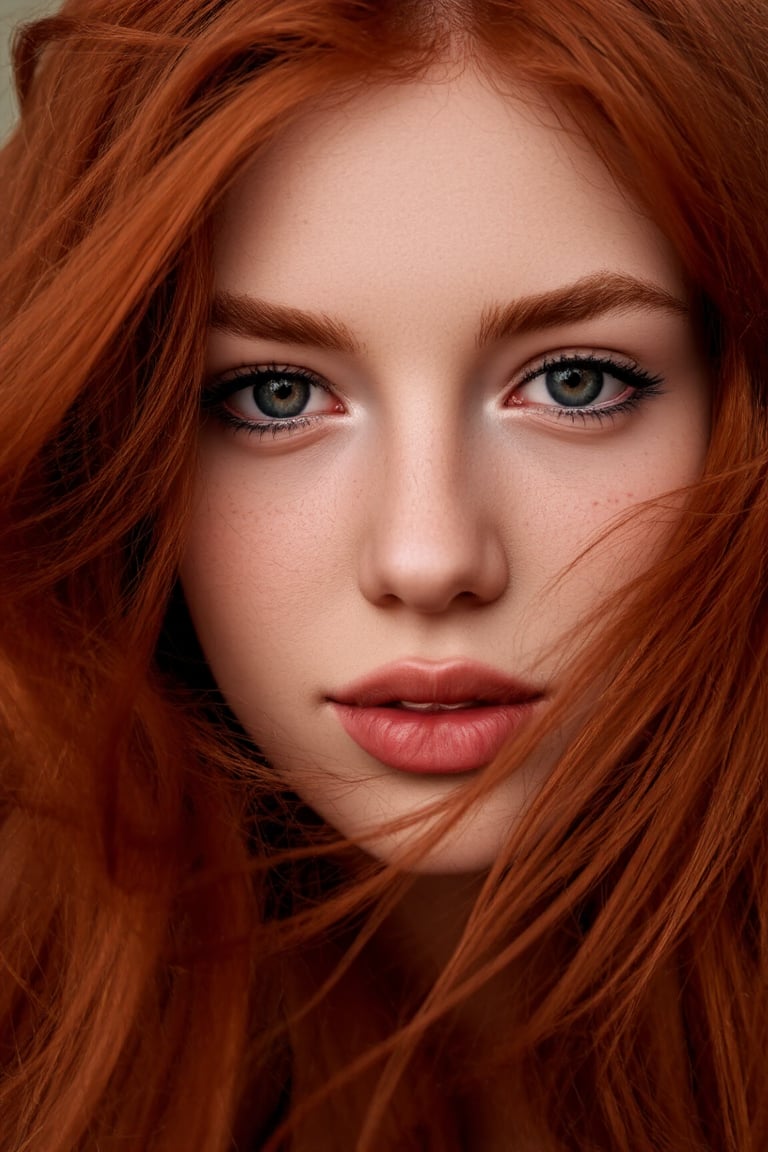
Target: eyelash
{"type": "Point", "coordinates": [217, 391]}
{"type": "Point", "coordinates": [644, 384]}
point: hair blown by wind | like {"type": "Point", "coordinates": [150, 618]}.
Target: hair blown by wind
{"type": "Point", "coordinates": [158, 898]}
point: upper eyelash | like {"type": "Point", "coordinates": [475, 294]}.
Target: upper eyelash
{"type": "Point", "coordinates": [629, 372]}
{"type": "Point", "coordinates": [219, 388]}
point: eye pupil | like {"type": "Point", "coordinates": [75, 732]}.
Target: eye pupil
{"type": "Point", "coordinates": [282, 396]}
{"type": "Point", "coordinates": [574, 386]}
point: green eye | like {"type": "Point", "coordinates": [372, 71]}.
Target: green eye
{"type": "Point", "coordinates": [584, 385]}
{"type": "Point", "coordinates": [574, 385]}
{"type": "Point", "coordinates": [281, 396]}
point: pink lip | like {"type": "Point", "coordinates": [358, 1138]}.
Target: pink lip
{"type": "Point", "coordinates": [434, 742]}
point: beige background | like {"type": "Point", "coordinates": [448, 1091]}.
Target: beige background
{"type": "Point", "coordinates": [11, 13]}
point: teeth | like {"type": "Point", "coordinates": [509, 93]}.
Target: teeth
{"type": "Point", "coordinates": [412, 706]}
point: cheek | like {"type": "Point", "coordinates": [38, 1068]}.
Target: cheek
{"type": "Point", "coordinates": [594, 521]}
{"type": "Point", "coordinates": [262, 557]}
{"type": "Point", "coordinates": [270, 572]}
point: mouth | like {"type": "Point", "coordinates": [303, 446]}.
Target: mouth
{"type": "Point", "coordinates": [434, 718]}
{"type": "Point", "coordinates": [436, 706]}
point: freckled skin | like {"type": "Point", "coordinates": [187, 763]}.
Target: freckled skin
{"type": "Point", "coordinates": [423, 514]}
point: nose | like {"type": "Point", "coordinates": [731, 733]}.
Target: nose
{"type": "Point", "coordinates": [432, 536]}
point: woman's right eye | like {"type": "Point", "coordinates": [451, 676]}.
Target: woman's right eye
{"type": "Point", "coordinates": [274, 397]}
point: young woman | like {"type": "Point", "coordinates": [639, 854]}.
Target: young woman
{"type": "Point", "coordinates": [384, 534]}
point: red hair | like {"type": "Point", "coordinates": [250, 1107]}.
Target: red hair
{"type": "Point", "coordinates": [158, 901]}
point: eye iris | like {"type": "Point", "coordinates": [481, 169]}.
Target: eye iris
{"type": "Point", "coordinates": [282, 396]}
{"type": "Point", "coordinates": [573, 385]}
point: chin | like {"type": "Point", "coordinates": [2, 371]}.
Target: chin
{"type": "Point", "coordinates": [464, 849]}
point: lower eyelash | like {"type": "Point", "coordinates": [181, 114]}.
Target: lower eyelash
{"type": "Point", "coordinates": [275, 427]}
{"type": "Point", "coordinates": [610, 411]}
{"type": "Point", "coordinates": [214, 396]}
{"type": "Point", "coordinates": [644, 384]}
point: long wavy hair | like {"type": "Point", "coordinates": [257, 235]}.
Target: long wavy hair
{"type": "Point", "coordinates": [188, 958]}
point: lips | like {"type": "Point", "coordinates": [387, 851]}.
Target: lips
{"type": "Point", "coordinates": [423, 717]}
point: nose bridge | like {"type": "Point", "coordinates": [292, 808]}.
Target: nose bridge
{"type": "Point", "coordinates": [430, 534]}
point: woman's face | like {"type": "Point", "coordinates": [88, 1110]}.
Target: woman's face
{"type": "Point", "coordinates": [448, 354]}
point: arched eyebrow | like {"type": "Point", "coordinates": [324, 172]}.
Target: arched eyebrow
{"type": "Point", "coordinates": [260, 320]}
{"type": "Point", "coordinates": [584, 299]}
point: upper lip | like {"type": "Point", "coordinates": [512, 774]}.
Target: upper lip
{"type": "Point", "coordinates": [428, 682]}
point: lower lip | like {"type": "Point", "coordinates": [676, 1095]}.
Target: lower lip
{"type": "Point", "coordinates": [433, 742]}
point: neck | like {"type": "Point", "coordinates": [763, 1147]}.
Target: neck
{"type": "Point", "coordinates": [421, 939]}
{"type": "Point", "coordinates": [429, 922]}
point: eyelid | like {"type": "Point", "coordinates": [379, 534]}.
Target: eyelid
{"type": "Point", "coordinates": [639, 386]}
{"type": "Point", "coordinates": [223, 384]}
{"type": "Point", "coordinates": [621, 364]}
{"type": "Point", "coordinates": [219, 388]}
{"type": "Point", "coordinates": [621, 367]}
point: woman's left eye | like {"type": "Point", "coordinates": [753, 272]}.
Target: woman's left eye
{"type": "Point", "coordinates": [270, 397]}
{"type": "Point", "coordinates": [584, 384]}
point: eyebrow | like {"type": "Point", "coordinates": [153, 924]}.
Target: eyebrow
{"type": "Point", "coordinates": [584, 299]}
{"type": "Point", "coordinates": [260, 320]}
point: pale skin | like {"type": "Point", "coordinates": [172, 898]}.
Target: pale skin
{"type": "Point", "coordinates": [434, 496]}
{"type": "Point", "coordinates": [437, 489]}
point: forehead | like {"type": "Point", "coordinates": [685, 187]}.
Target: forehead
{"type": "Point", "coordinates": [445, 185]}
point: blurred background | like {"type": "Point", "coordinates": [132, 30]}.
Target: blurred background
{"type": "Point", "coordinates": [12, 12]}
